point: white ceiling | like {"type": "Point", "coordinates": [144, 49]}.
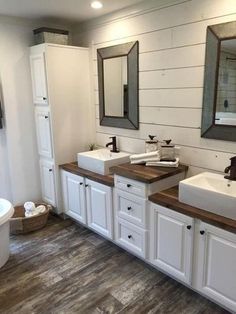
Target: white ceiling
{"type": "Point", "coordinates": [61, 10]}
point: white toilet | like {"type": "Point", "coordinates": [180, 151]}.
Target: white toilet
{"type": "Point", "coordinates": [6, 212]}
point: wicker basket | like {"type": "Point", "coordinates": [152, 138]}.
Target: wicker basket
{"type": "Point", "coordinates": [19, 224]}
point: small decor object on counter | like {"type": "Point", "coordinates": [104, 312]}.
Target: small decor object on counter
{"type": "Point", "coordinates": [51, 35]}
{"type": "Point", "coordinates": [143, 158]}
{"type": "Point", "coordinates": [151, 144]}
{"type": "Point", "coordinates": [20, 224]}
{"type": "Point", "coordinates": [168, 151]}
{"type": "Point", "coordinates": [92, 146]}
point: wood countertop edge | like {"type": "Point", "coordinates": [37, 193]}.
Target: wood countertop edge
{"type": "Point", "coordinates": [167, 200]}
{"type": "Point", "coordinates": [74, 169]}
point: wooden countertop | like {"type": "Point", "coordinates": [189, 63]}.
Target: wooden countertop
{"type": "Point", "coordinates": [146, 174]}
{"type": "Point", "coordinates": [169, 199]}
{"type": "Point", "coordinates": [73, 168]}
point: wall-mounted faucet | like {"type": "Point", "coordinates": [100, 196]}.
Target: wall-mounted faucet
{"type": "Point", "coordinates": [231, 170]}
{"type": "Point", "coordinates": [113, 143]}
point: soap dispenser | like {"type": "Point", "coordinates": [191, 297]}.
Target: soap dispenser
{"type": "Point", "coordinates": [167, 151]}
{"type": "Point", "coordinates": [151, 144]}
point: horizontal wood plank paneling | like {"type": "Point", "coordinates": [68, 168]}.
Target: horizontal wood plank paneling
{"type": "Point", "coordinates": [190, 77]}
{"type": "Point", "coordinates": [171, 64]}
{"type": "Point", "coordinates": [180, 135]}
{"type": "Point", "coordinates": [188, 97]}
{"type": "Point", "coordinates": [173, 58]}
{"type": "Point", "coordinates": [171, 116]}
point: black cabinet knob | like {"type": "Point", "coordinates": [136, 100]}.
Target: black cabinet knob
{"type": "Point", "coordinates": [129, 236]}
{"type": "Point", "coordinates": [50, 170]}
{"type": "Point", "coordinates": [46, 117]}
{"type": "Point", "coordinates": [81, 183]}
{"type": "Point", "coordinates": [202, 232]}
{"type": "Point", "coordinates": [44, 98]}
{"type": "Point", "coordinates": [129, 208]}
{"type": "Point", "coordinates": [189, 227]}
{"type": "Point", "coordinates": [86, 185]}
{"type": "Point", "coordinates": [128, 185]}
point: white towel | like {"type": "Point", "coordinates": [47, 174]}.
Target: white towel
{"type": "Point", "coordinates": [144, 156]}
{"type": "Point", "coordinates": [169, 164]}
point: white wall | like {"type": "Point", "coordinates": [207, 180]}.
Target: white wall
{"type": "Point", "coordinates": [19, 170]}
{"type": "Point", "coordinates": [172, 53]}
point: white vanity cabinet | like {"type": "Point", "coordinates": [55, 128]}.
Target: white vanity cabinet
{"type": "Point", "coordinates": [88, 202]}
{"type": "Point", "coordinates": [215, 264]}
{"type": "Point", "coordinates": [171, 242]}
{"type": "Point", "coordinates": [74, 196]}
{"type": "Point", "coordinates": [61, 95]}
{"type": "Point", "coordinates": [99, 207]}
{"type": "Point", "coordinates": [132, 213]}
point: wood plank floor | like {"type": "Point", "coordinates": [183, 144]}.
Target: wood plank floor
{"type": "Point", "coordinates": [65, 268]}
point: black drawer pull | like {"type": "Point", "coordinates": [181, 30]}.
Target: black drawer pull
{"type": "Point", "coordinates": [86, 185]}
{"type": "Point", "coordinates": [44, 98]}
{"type": "Point", "coordinates": [81, 183]}
{"type": "Point", "coordinates": [129, 208]}
{"type": "Point", "coordinates": [45, 117]}
{"type": "Point", "coordinates": [202, 232]}
{"type": "Point", "coordinates": [129, 236]}
{"type": "Point", "coordinates": [50, 170]}
{"type": "Point", "coordinates": [189, 227]}
{"type": "Point", "coordinates": [128, 185]}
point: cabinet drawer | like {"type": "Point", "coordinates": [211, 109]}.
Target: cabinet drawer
{"type": "Point", "coordinates": [131, 208]}
{"type": "Point", "coordinates": [131, 186]}
{"type": "Point", "coordinates": [131, 237]}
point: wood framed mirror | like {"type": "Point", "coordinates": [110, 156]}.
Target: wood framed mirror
{"type": "Point", "coordinates": [118, 85]}
{"type": "Point", "coordinates": [219, 97]}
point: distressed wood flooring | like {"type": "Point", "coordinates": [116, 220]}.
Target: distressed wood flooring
{"type": "Point", "coordinates": [65, 268]}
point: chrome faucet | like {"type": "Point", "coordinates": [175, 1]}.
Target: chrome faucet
{"type": "Point", "coordinates": [113, 143]}
{"type": "Point", "coordinates": [231, 170]}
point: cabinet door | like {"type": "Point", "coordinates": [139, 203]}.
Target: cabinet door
{"type": "Point", "coordinates": [99, 208]}
{"type": "Point", "coordinates": [171, 246]}
{"type": "Point", "coordinates": [38, 74]}
{"type": "Point", "coordinates": [74, 196]}
{"type": "Point", "coordinates": [43, 130]}
{"type": "Point", "coordinates": [48, 182]}
{"type": "Point", "coordinates": [215, 266]}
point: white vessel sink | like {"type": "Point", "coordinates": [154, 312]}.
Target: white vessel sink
{"type": "Point", "coordinates": [211, 192]}
{"type": "Point", "coordinates": [101, 160]}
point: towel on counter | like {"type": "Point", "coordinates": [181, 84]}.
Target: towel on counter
{"type": "Point", "coordinates": [146, 157]}
{"type": "Point", "coordinates": [169, 164]}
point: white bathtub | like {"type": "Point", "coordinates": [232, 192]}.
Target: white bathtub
{"type": "Point", "coordinates": [6, 212]}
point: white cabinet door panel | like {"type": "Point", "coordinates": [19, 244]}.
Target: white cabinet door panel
{"type": "Point", "coordinates": [131, 208]}
{"type": "Point", "coordinates": [131, 237]}
{"type": "Point", "coordinates": [43, 130]}
{"type": "Point", "coordinates": [74, 196]}
{"type": "Point", "coordinates": [38, 75]}
{"type": "Point", "coordinates": [48, 182]}
{"type": "Point", "coordinates": [171, 245]}
{"type": "Point", "coordinates": [216, 264]}
{"type": "Point", "coordinates": [99, 207]}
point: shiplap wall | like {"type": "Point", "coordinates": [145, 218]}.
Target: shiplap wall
{"type": "Point", "coordinates": [171, 63]}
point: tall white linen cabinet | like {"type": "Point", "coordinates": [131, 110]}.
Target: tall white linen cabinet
{"type": "Point", "coordinates": [61, 96]}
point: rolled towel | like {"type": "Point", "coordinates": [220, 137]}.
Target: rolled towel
{"type": "Point", "coordinates": [143, 161]}
{"type": "Point", "coordinates": [169, 164]}
{"type": "Point", "coordinates": [144, 156]}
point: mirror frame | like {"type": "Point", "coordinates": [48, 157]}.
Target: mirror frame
{"type": "Point", "coordinates": [131, 50]}
{"type": "Point", "coordinates": [215, 34]}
